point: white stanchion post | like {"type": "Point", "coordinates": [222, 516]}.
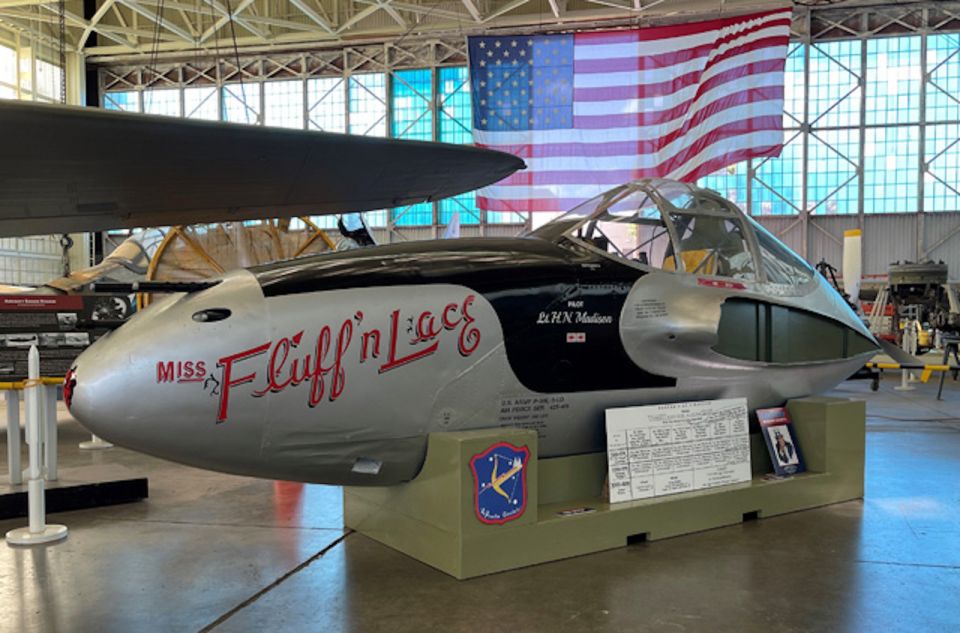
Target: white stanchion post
{"type": "Point", "coordinates": [37, 531]}
{"type": "Point", "coordinates": [13, 437]}
{"type": "Point", "coordinates": [904, 380]}
{"type": "Point", "coordinates": [50, 443]}
{"type": "Point", "coordinates": [94, 443]}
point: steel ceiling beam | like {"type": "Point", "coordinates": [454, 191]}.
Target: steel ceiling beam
{"type": "Point", "coordinates": [102, 10]}
{"type": "Point", "coordinates": [474, 12]}
{"type": "Point", "coordinates": [507, 8]}
{"type": "Point", "coordinates": [314, 16]}
{"type": "Point", "coordinates": [225, 18]}
{"type": "Point", "coordinates": [135, 6]}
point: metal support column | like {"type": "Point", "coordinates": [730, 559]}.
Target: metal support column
{"type": "Point", "coordinates": [861, 159]}
{"type": "Point", "coordinates": [922, 148]}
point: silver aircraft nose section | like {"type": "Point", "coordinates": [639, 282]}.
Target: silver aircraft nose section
{"type": "Point", "coordinates": [151, 386]}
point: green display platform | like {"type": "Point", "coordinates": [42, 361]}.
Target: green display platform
{"type": "Point", "coordinates": [432, 518]}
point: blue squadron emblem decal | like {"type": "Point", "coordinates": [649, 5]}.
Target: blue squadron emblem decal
{"type": "Point", "coordinates": [500, 483]}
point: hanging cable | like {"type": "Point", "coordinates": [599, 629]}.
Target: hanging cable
{"type": "Point", "coordinates": [236, 53]}
{"type": "Point", "coordinates": [155, 52]}
{"type": "Point", "coordinates": [63, 51]}
{"type": "Point", "coordinates": [218, 60]}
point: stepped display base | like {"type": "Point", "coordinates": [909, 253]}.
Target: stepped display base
{"type": "Point", "coordinates": [433, 518]}
{"type": "Point", "coordinates": [78, 488]}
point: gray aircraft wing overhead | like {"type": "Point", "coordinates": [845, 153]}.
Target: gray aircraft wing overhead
{"type": "Point", "coordinates": [69, 169]}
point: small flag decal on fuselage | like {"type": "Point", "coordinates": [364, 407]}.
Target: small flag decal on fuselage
{"type": "Point", "coordinates": [576, 337]}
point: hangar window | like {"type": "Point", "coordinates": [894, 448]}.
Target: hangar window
{"type": "Point", "coordinates": [890, 173]}
{"type": "Point", "coordinates": [201, 103]}
{"type": "Point", "coordinates": [453, 113]}
{"type": "Point", "coordinates": [943, 171]}
{"type": "Point", "coordinates": [241, 103]}
{"type": "Point", "coordinates": [165, 102]}
{"type": "Point", "coordinates": [731, 181]}
{"type": "Point", "coordinates": [778, 183]}
{"type": "Point", "coordinates": [893, 80]}
{"type": "Point", "coordinates": [836, 154]}
{"type": "Point", "coordinates": [283, 104]}
{"type": "Point", "coordinates": [326, 103]}
{"type": "Point", "coordinates": [8, 73]}
{"type": "Point", "coordinates": [125, 101]}
{"type": "Point", "coordinates": [368, 104]}
{"type": "Point", "coordinates": [870, 124]}
{"type": "Point", "coordinates": [47, 81]}
{"type": "Point", "coordinates": [412, 118]}
{"type": "Point", "coordinates": [943, 68]}
{"type": "Point", "coordinates": [834, 90]}
{"type": "Point", "coordinates": [794, 90]}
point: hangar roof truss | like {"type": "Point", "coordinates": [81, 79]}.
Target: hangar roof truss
{"type": "Point", "coordinates": [132, 27]}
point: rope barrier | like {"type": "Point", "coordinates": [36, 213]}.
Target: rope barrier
{"type": "Point", "coordinates": [925, 370]}
{"type": "Point", "coordinates": [20, 385]}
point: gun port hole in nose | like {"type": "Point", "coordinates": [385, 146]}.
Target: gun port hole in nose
{"type": "Point", "coordinates": [634, 539]}
{"type": "Point", "coordinates": [210, 315]}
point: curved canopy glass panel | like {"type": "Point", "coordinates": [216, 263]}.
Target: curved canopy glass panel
{"type": "Point", "coordinates": [678, 227]}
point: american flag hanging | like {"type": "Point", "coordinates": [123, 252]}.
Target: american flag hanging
{"type": "Point", "coordinates": [593, 110]}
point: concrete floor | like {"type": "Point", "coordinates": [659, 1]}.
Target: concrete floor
{"type": "Point", "coordinates": [211, 551]}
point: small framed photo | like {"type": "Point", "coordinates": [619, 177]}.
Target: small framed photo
{"type": "Point", "coordinates": [781, 441]}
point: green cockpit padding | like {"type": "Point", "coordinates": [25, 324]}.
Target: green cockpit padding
{"type": "Point", "coordinates": [760, 331]}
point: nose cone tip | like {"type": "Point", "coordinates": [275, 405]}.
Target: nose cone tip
{"type": "Point", "coordinates": [69, 384]}
{"type": "Point", "coordinates": [81, 401]}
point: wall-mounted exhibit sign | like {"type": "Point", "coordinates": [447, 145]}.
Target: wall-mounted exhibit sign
{"type": "Point", "coordinates": [61, 326]}
{"type": "Point", "coordinates": [669, 448]}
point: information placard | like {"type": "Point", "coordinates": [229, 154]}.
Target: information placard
{"type": "Point", "coordinates": [61, 326]}
{"type": "Point", "coordinates": [664, 449]}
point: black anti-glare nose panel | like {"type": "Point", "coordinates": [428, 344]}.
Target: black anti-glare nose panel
{"type": "Point", "coordinates": [211, 314]}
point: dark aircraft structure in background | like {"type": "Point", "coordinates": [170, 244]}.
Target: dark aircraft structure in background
{"type": "Point", "coordinates": [85, 169]}
{"type": "Point", "coordinates": [79, 169]}
{"type": "Point", "coordinates": [335, 368]}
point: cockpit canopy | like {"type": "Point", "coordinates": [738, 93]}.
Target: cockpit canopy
{"type": "Point", "coordinates": [670, 225]}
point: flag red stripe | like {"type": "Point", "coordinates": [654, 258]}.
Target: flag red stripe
{"type": "Point", "coordinates": [639, 119]}
{"type": "Point", "coordinates": [626, 148]}
{"type": "Point", "coordinates": [665, 60]}
{"type": "Point", "coordinates": [664, 88]}
{"type": "Point", "coordinates": [667, 32]}
{"type": "Point", "coordinates": [719, 162]}
{"type": "Point", "coordinates": [584, 176]}
{"type": "Point", "coordinates": [526, 205]}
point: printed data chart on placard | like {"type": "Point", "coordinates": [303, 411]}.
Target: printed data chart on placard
{"type": "Point", "coordinates": [670, 448]}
